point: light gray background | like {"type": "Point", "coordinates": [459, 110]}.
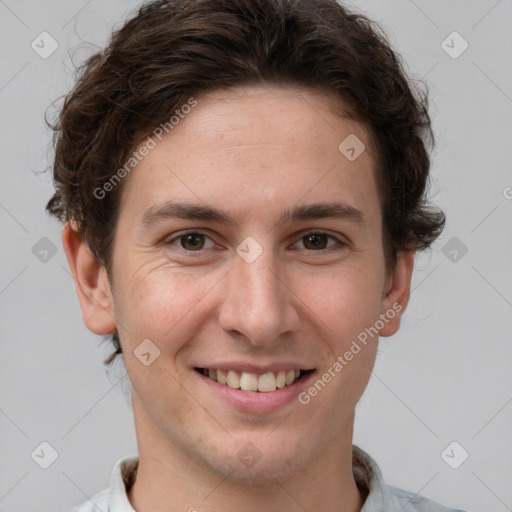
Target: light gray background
{"type": "Point", "coordinates": [444, 377]}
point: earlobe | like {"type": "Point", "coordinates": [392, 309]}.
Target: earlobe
{"type": "Point", "coordinates": [91, 282]}
{"type": "Point", "coordinates": [398, 292]}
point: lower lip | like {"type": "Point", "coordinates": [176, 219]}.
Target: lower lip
{"type": "Point", "coordinates": [257, 401]}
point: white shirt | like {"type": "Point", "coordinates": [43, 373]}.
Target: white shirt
{"type": "Point", "coordinates": [381, 497]}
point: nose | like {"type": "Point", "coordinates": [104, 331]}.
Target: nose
{"type": "Point", "coordinates": [258, 303]}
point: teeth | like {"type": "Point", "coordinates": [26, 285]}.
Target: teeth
{"type": "Point", "coordinates": [281, 379]}
{"type": "Point", "coordinates": [222, 377]}
{"type": "Point", "coordinates": [267, 382]}
{"type": "Point", "coordinates": [233, 380]}
{"type": "Point", "coordinates": [247, 381]}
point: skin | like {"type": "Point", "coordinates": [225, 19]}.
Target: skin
{"type": "Point", "coordinates": [252, 152]}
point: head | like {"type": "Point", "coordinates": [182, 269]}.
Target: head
{"type": "Point", "coordinates": [285, 130]}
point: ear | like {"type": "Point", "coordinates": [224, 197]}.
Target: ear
{"type": "Point", "coordinates": [397, 293]}
{"type": "Point", "coordinates": [91, 282]}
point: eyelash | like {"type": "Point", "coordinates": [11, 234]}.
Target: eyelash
{"type": "Point", "coordinates": [183, 234]}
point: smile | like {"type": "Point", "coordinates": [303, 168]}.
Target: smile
{"type": "Point", "coordinates": [247, 381]}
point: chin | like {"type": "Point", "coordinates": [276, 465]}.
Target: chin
{"type": "Point", "coordinates": [258, 461]}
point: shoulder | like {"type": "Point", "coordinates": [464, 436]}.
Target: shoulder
{"type": "Point", "coordinates": [113, 497]}
{"type": "Point", "coordinates": [409, 502]}
{"type": "Point", "coordinates": [96, 503]}
{"type": "Point", "coordinates": [386, 498]}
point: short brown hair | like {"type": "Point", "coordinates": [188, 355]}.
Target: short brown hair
{"type": "Point", "coordinates": [176, 49]}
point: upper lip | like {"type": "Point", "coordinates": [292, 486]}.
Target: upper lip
{"type": "Point", "coordinates": [256, 368]}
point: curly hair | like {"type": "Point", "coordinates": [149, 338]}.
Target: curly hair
{"type": "Point", "coordinates": [172, 50]}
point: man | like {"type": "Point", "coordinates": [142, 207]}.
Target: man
{"type": "Point", "coordinates": [243, 187]}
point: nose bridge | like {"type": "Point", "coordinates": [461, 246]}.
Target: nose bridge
{"type": "Point", "coordinates": [261, 286]}
{"type": "Point", "coordinates": [258, 302]}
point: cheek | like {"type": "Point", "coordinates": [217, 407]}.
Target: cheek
{"type": "Point", "coordinates": [342, 308]}
{"type": "Point", "coordinates": [346, 301]}
{"type": "Point", "coordinates": [347, 306]}
{"type": "Point", "coordinates": [160, 305]}
{"type": "Point", "coordinates": [156, 304]}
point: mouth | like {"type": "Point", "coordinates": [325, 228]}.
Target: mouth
{"type": "Point", "coordinates": [255, 382]}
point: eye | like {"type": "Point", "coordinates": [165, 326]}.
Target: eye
{"type": "Point", "coordinates": [318, 241]}
{"type": "Point", "coordinates": [192, 241]}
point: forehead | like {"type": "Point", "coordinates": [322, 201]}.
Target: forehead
{"type": "Point", "coordinates": [257, 148]}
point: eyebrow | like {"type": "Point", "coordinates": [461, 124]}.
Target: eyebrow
{"type": "Point", "coordinates": [196, 211]}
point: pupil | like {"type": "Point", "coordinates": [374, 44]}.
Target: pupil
{"type": "Point", "coordinates": [192, 241]}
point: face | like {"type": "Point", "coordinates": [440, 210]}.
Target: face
{"type": "Point", "coordinates": [249, 248]}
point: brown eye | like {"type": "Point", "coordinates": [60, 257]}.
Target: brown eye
{"type": "Point", "coordinates": [192, 241]}
{"type": "Point", "coordinates": [315, 241]}
{"type": "Point", "coordinates": [319, 241]}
